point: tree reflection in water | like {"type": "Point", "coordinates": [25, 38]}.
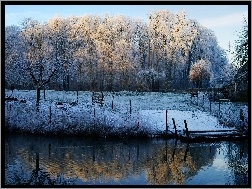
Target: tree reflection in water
{"type": "Point", "coordinates": [69, 160]}
{"type": "Point", "coordinates": [237, 155]}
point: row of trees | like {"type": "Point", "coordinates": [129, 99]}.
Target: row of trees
{"type": "Point", "coordinates": [114, 53]}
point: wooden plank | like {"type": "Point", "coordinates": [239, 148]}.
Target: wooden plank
{"type": "Point", "coordinates": [224, 100]}
{"type": "Point", "coordinates": [215, 135]}
{"type": "Point", "coordinates": [209, 131]}
{"type": "Point", "coordinates": [213, 138]}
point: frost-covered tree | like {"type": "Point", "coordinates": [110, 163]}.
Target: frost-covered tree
{"type": "Point", "coordinates": [37, 54]}
{"type": "Point", "coordinates": [241, 57]}
{"type": "Point", "coordinates": [58, 39]}
{"type": "Point", "coordinates": [15, 73]}
{"type": "Point", "coordinates": [171, 37]}
{"type": "Point", "coordinates": [200, 71]}
{"type": "Point", "coordinates": [109, 52]}
{"type": "Point", "coordinates": [86, 54]}
{"type": "Point", "coordinates": [205, 46]}
{"type": "Point", "coordinates": [146, 79]}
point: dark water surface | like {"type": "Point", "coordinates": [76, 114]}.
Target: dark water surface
{"type": "Point", "coordinates": [81, 161]}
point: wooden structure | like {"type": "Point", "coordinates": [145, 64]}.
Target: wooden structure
{"type": "Point", "coordinates": [98, 97]}
{"type": "Point", "coordinates": [212, 135]}
{"type": "Point", "coordinates": [194, 93]}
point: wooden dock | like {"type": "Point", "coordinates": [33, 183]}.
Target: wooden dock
{"type": "Point", "coordinates": [211, 136]}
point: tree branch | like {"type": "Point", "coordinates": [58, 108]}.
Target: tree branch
{"type": "Point", "coordinates": [33, 77]}
{"type": "Point", "coordinates": [49, 78]}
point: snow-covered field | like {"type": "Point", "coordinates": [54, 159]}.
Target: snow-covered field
{"type": "Point", "coordinates": [148, 113]}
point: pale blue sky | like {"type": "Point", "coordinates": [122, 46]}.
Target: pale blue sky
{"type": "Point", "coordinates": [224, 20]}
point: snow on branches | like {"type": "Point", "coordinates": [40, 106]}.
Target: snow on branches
{"type": "Point", "coordinates": [199, 72]}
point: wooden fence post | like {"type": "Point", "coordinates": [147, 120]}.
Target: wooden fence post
{"type": "Point", "coordinates": [166, 124]}
{"type": "Point", "coordinates": [77, 96]}
{"type": "Point", "coordinates": [94, 112]}
{"type": "Point", "coordinates": [187, 134]}
{"type": "Point", "coordinates": [197, 98]}
{"type": "Point", "coordinates": [102, 96]}
{"type": "Point", "coordinates": [219, 107]}
{"type": "Point", "coordinates": [176, 134]}
{"type": "Point", "coordinates": [242, 120]}
{"type": "Point", "coordinates": [50, 114]}
{"type": "Point", "coordinates": [203, 101]}
{"type": "Point", "coordinates": [130, 107]}
{"type": "Point", "coordinates": [241, 115]}
{"type": "Point", "coordinates": [112, 102]}
{"type": "Point", "coordinates": [210, 106]}
{"type": "Point", "coordinates": [37, 161]}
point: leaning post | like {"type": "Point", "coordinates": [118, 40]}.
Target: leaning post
{"type": "Point", "coordinates": [176, 133]}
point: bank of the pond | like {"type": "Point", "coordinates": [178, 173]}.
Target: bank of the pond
{"type": "Point", "coordinates": [123, 114]}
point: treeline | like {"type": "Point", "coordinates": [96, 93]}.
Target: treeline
{"type": "Point", "coordinates": [114, 53]}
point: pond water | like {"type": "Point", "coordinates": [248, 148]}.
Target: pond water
{"type": "Point", "coordinates": [84, 161]}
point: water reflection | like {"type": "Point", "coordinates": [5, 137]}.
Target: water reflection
{"type": "Point", "coordinates": [69, 160]}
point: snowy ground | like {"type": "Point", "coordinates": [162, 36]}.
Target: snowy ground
{"type": "Point", "coordinates": [196, 120]}
{"type": "Point", "coordinates": [148, 113]}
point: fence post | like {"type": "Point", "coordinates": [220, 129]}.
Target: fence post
{"type": "Point", "coordinates": [94, 112]}
{"type": "Point", "coordinates": [187, 134]}
{"type": "Point", "coordinates": [241, 115]}
{"type": "Point", "coordinates": [130, 107]}
{"type": "Point", "coordinates": [50, 114]}
{"type": "Point", "coordinates": [242, 120]}
{"type": "Point", "coordinates": [197, 98]}
{"type": "Point", "coordinates": [203, 101]}
{"type": "Point", "coordinates": [77, 96]}
{"type": "Point", "coordinates": [112, 102]}
{"type": "Point", "coordinates": [102, 95]}
{"type": "Point", "coordinates": [176, 134]}
{"type": "Point", "coordinates": [37, 161]}
{"type": "Point", "coordinates": [166, 124]}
